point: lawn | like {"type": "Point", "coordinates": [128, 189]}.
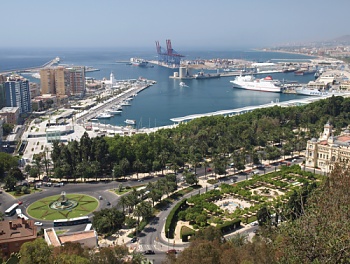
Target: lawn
{"type": "Point", "coordinates": [41, 210]}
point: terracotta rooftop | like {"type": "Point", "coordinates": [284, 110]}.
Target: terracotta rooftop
{"type": "Point", "coordinates": [343, 138]}
{"type": "Point", "coordinates": [52, 237]}
{"type": "Point", "coordinates": [17, 230]}
{"type": "Point", "coordinates": [74, 237]}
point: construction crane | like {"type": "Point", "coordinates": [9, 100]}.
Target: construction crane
{"type": "Point", "coordinates": [169, 56]}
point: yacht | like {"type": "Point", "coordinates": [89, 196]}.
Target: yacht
{"type": "Point", "coordinates": [104, 115]}
{"type": "Point", "coordinates": [130, 121]}
{"type": "Point", "coordinates": [266, 84]}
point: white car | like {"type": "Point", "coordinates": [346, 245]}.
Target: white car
{"type": "Point", "coordinates": [255, 223]}
{"type": "Point", "coordinates": [38, 223]}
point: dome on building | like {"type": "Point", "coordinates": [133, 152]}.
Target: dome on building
{"type": "Point", "coordinates": [314, 140]}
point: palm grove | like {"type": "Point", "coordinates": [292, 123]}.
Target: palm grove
{"type": "Point", "coordinates": [263, 134]}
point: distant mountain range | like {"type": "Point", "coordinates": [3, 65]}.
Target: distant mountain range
{"type": "Point", "coordinates": [342, 40]}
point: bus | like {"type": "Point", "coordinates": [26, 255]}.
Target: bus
{"type": "Point", "coordinates": [11, 211]}
{"type": "Point", "coordinates": [71, 221]}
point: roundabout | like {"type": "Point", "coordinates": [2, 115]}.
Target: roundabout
{"type": "Point", "coordinates": [62, 206]}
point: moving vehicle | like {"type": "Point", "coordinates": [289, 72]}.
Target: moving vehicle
{"type": "Point", "coordinates": [138, 62]}
{"type": "Point", "coordinates": [130, 121]}
{"type": "Point", "coordinates": [171, 251]}
{"type": "Point", "coordinates": [71, 221]}
{"type": "Point", "coordinates": [11, 211]}
{"type": "Point", "coordinates": [249, 82]}
{"type": "Point", "coordinates": [148, 252]}
{"type": "Point", "coordinates": [133, 240]}
{"type": "Point", "coordinates": [38, 223]}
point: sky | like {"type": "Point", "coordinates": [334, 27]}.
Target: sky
{"type": "Point", "coordinates": [199, 24]}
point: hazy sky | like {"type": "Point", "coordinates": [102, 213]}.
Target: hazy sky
{"type": "Point", "coordinates": [213, 24]}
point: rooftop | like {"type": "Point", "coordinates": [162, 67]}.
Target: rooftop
{"type": "Point", "coordinates": [9, 109]}
{"type": "Point", "coordinates": [17, 230]}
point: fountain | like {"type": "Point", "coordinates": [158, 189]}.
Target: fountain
{"type": "Point", "coordinates": [63, 203]}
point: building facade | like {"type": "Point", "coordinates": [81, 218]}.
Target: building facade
{"type": "Point", "coordinates": [17, 92]}
{"type": "Point", "coordinates": [63, 81]}
{"type": "Point", "coordinates": [11, 114]}
{"type": "Point", "coordinates": [14, 233]}
{"type": "Point", "coordinates": [328, 149]}
{"type": "Point", "coordinates": [76, 81]}
{"type": "Point", "coordinates": [47, 81]}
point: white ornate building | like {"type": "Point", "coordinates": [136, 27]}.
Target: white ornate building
{"type": "Point", "coordinates": [328, 149]}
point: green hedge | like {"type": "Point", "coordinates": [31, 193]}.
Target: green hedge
{"type": "Point", "coordinates": [186, 232]}
{"type": "Point", "coordinates": [171, 220]}
{"type": "Point", "coordinates": [228, 226]}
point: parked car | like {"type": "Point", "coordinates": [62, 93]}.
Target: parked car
{"type": "Point", "coordinates": [57, 185]}
{"type": "Point", "coordinates": [108, 203]}
{"type": "Point", "coordinates": [209, 169]}
{"type": "Point", "coordinates": [148, 252]}
{"type": "Point", "coordinates": [171, 251]}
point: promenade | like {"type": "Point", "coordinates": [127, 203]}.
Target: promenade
{"type": "Point", "coordinates": [242, 110]}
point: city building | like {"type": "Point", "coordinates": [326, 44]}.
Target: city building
{"type": "Point", "coordinates": [47, 81]}
{"type": "Point", "coordinates": [328, 149]}
{"type": "Point", "coordinates": [17, 93]}
{"type": "Point", "coordinates": [87, 238]}
{"type": "Point", "coordinates": [14, 233]}
{"type": "Point", "coordinates": [76, 81]}
{"type": "Point", "coordinates": [11, 114]}
{"type": "Point", "coordinates": [62, 81]}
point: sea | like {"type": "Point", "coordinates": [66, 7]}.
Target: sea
{"type": "Point", "coordinates": [156, 105]}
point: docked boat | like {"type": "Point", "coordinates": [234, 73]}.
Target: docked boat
{"type": "Point", "coordinates": [125, 103]}
{"type": "Point", "coordinates": [130, 121]}
{"type": "Point", "coordinates": [316, 92]}
{"type": "Point", "coordinates": [266, 84]}
{"type": "Point", "coordinates": [138, 62]}
{"type": "Point", "coordinates": [114, 111]}
{"type": "Point", "coordinates": [104, 115]}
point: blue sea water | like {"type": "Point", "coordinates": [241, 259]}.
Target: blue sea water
{"type": "Point", "coordinates": [166, 99]}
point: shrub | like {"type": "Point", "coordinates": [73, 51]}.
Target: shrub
{"type": "Point", "coordinates": [228, 226]}
{"type": "Point", "coordinates": [185, 233]}
{"type": "Point", "coordinates": [171, 220]}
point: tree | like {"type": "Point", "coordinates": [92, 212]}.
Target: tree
{"type": "Point", "coordinates": [16, 173]}
{"type": "Point", "coordinates": [36, 251]}
{"type": "Point", "coordinates": [320, 234]}
{"type": "Point", "coordinates": [7, 129]}
{"type": "Point", "coordinates": [108, 220]}
{"type": "Point", "coordinates": [10, 182]}
{"type": "Point", "coordinates": [191, 179]}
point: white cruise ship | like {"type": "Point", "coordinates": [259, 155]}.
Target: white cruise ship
{"type": "Point", "coordinates": [266, 84]}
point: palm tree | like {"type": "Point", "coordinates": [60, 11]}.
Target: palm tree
{"type": "Point", "coordinates": [123, 201]}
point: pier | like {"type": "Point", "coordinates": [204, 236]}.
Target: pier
{"type": "Point", "coordinates": [34, 69]}
{"type": "Point", "coordinates": [246, 109]}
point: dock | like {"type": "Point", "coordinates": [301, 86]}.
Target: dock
{"type": "Point", "coordinates": [238, 111]}
{"type": "Point", "coordinates": [33, 69]}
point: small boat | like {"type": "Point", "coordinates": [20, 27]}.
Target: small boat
{"type": "Point", "coordinates": [114, 111]}
{"type": "Point", "coordinates": [125, 103]}
{"type": "Point", "coordinates": [138, 62]}
{"type": "Point", "coordinates": [104, 115]}
{"type": "Point", "coordinates": [130, 121]}
{"type": "Point", "coordinates": [182, 84]}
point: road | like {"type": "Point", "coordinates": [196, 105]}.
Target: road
{"type": "Point", "coordinates": [150, 238]}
